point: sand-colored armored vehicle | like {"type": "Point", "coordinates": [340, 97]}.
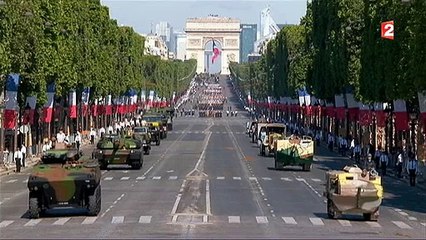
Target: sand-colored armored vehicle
{"type": "Point", "coordinates": [64, 179]}
{"type": "Point", "coordinates": [269, 133]}
{"type": "Point", "coordinates": [256, 134]}
{"type": "Point", "coordinates": [119, 150]}
{"type": "Point", "coordinates": [143, 134]}
{"type": "Point", "coordinates": [294, 151]}
{"type": "Point", "coordinates": [353, 191]}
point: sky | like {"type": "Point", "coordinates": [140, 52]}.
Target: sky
{"type": "Point", "coordinates": [144, 14]}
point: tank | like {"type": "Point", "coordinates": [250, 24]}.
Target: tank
{"type": "Point", "coordinates": [294, 151]}
{"type": "Point", "coordinates": [64, 179]}
{"type": "Point", "coordinates": [119, 150]}
{"type": "Point", "coordinates": [353, 190]}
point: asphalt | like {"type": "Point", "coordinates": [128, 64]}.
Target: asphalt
{"type": "Point", "coordinates": [206, 180]}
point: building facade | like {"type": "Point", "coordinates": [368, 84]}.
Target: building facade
{"type": "Point", "coordinates": [248, 37]}
{"type": "Point", "coordinates": [180, 40]}
{"type": "Point", "coordinates": [154, 45]}
{"type": "Point", "coordinates": [165, 31]}
{"type": "Point", "coordinates": [201, 32]}
{"type": "Point", "coordinates": [268, 30]}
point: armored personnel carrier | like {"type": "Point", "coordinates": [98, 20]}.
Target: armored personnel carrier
{"type": "Point", "coordinates": [353, 191]}
{"type": "Point", "coordinates": [143, 134]}
{"type": "Point", "coordinates": [119, 150]}
{"type": "Point", "coordinates": [294, 151]}
{"type": "Point", "coordinates": [273, 132]}
{"type": "Point", "coordinates": [64, 179]}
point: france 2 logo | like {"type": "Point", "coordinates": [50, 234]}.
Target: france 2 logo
{"type": "Point", "coordinates": [387, 30]}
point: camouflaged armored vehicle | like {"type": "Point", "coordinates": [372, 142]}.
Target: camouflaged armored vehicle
{"type": "Point", "coordinates": [119, 150]}
{"type": "Point", "coordinates": [156, 120]}
{"type": "Point", "coordinates": [64, 180]}
{"type": "Point", "coordinates": [143, 134]}
{"type": "Point", "coordinates": [271, 133]}
{"type": "Point", "coordinates": [353, 191]}
{"type": "Point", "coordinates": [294, 151]}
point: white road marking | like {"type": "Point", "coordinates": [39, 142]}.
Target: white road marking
{"type": "Point", "coordinates": [252, 178]}
{"type": "Point", "coordinates": [374, 224]}
{"type": "Point", "coordinates": [267, 178]}
{"type": "Point", "coordinates": [424, 224]}
{"type": "Point", "coordinates": [170, 171]}
{"type": "Point", "coordinates": [316, 221]}
{"type": "Point", "coordinates": [125, 171]}
{"type": "Point", "coordinates": [236, 178]}
{"type": "Point", "coordinates": [224, 132]}
{"type": "Point", "coordinates": [316, 179]}
{"type": "Point", "coordinates": [401, 225]}
{"type": "Point", "coordinates": [61, 221]}
{"type": "Point", "coordinates": [5, 223]}
{"type": "Point", "coordinates": [117, 219]}
{"type": "Point", "coordinates": [286, 179]}
{"type": "Point", "coordinates": [145, 219]}
{"type": "Point", "coordinates": [103, 172]}
{"type": "Point", "coordinates": [289, 220]}
{"type": "Point", "coordinates": [208, 206]}
{"type": "Point", "coordinates": [12, 181]}
{"type": "Point", "coordinates": [175, 206]}
{"type": "Point", "coordinates": [141, 178]}
{"type": "Point", "coordinates": [32, 222]}
{"type": "Point", "coordinates": [156, 177]}
{"type": "Point", "coordinates": [403, 213]}
{"type": "Point", "coordinates": [125, 178]}
{"type": "Point", "coordinates": [234, 219]}
{"type": "Point", "coordinates": [300, 179]}
{"type": "Point", "coordinates": [344, 223]}
{"type": "Point", "coordinates": [108, 179]}
{"type": "Point", "coordinates": [25, 181]}
{"type": "Point", "coordinates": [197, 132]}
{"type": "Point", "coordinates": [261, 219]}
{"type": "Point", "coordinates": [220, 178]}
{"type": "Point", "coordinates": [173, 177]}
{"type": "Point", "coordinates": [412, 218]}
{"type": "Point", "coordinates": [397, 209]}
{"type": "Point", "coordinates": [89, 220]}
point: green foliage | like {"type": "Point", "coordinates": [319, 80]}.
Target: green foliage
{"type": "Point", "coordinates": [75, 44]}
{"type": "Point", "coordinates": [337, 47]}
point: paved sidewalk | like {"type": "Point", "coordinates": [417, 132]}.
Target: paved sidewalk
{"type": "Point", "coordinates": [420, 180]}
{"type": "Point", "coordinates": [30, 162]}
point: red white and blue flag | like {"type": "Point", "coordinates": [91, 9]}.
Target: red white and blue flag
{"type": "Point", "coordinates": [72, 104]}
{"type": "Point", "coordinates": [48, 106]}
{"type": "Point", "coordinates": [29, 115]}
{"type": "Point", "coordinates": [216, 52]}
{"type": "Point", "coordinates": [85, 100]}
{"type": "Point", "coordinates": [11, 101]}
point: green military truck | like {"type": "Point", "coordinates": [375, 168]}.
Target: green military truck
{"type": "Point", "coordinates": [119, 150]}
{"type": "Point", "coordinates": [64, 179]}
{"type": "Point", "coordinates": [294, 151]}
{"type": "Point", "coordinates": [143, 134]}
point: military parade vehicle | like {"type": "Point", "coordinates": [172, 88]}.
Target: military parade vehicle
{"type": "Point", "coordinates": [272, 132]}
{"type": "Point", "coordinates": [294, 151]}
{"type": "Point", "coordinates": [155, 120]}
{"type": "Point", "coordinates": [143, 134]}
{"type": "Point", "coordinates": [256, 135]}
{"type": "Point", "coordinates": [64, 179]}
{"type": "Point", "coordinates": [119, 150]}
{"type": "Point", "coordinates": [353, 190]}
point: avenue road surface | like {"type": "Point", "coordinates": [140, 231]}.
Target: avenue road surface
{"type": "Point", "coordinates": [206, 180]}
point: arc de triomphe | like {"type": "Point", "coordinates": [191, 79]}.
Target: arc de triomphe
{"type": "Point", "coordinates": [201, 31]}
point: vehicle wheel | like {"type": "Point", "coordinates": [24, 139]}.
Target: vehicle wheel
{"type": "Point", "coordinates": [157, 143]}
{"type": "Point", "coordinates": [374, 216]}
{"type": "Point", "coordinates": [94, 203]}
{"type": "Point", "coordinates": [34, 208]}
{"type": "Point", "coordinates": [307, 167]}
{"type": "Point", "coordinates": [262, 150]}
{"type": "Point", "coordinates": [103, 166]}
{"type": "Point", "coordinates": [137, 165]}
{"type": "Point", "coordinates": [147, 152]}
{"type": "Point", "coordinates": [331, 211]}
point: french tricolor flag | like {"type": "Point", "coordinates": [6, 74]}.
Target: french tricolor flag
{"type": "Point", "coordinates": [85, 100]}
{"type": "Point", "coordinates": [72, 104]}
{"type": "Point", "coordinates": [216, 52]}
{"type": "Point", "coordinates": [401, 115]}
{"type": "Point", "coordinates": [11, 102]}
{"type": "Point", "coordinates": [151, 98]}
{"type": "Point", "coordinates": [48, 107]}
{"type": "Point", "coordinates": [29, 115]}
{"type": "Point", "coordinates": [108, 105]}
